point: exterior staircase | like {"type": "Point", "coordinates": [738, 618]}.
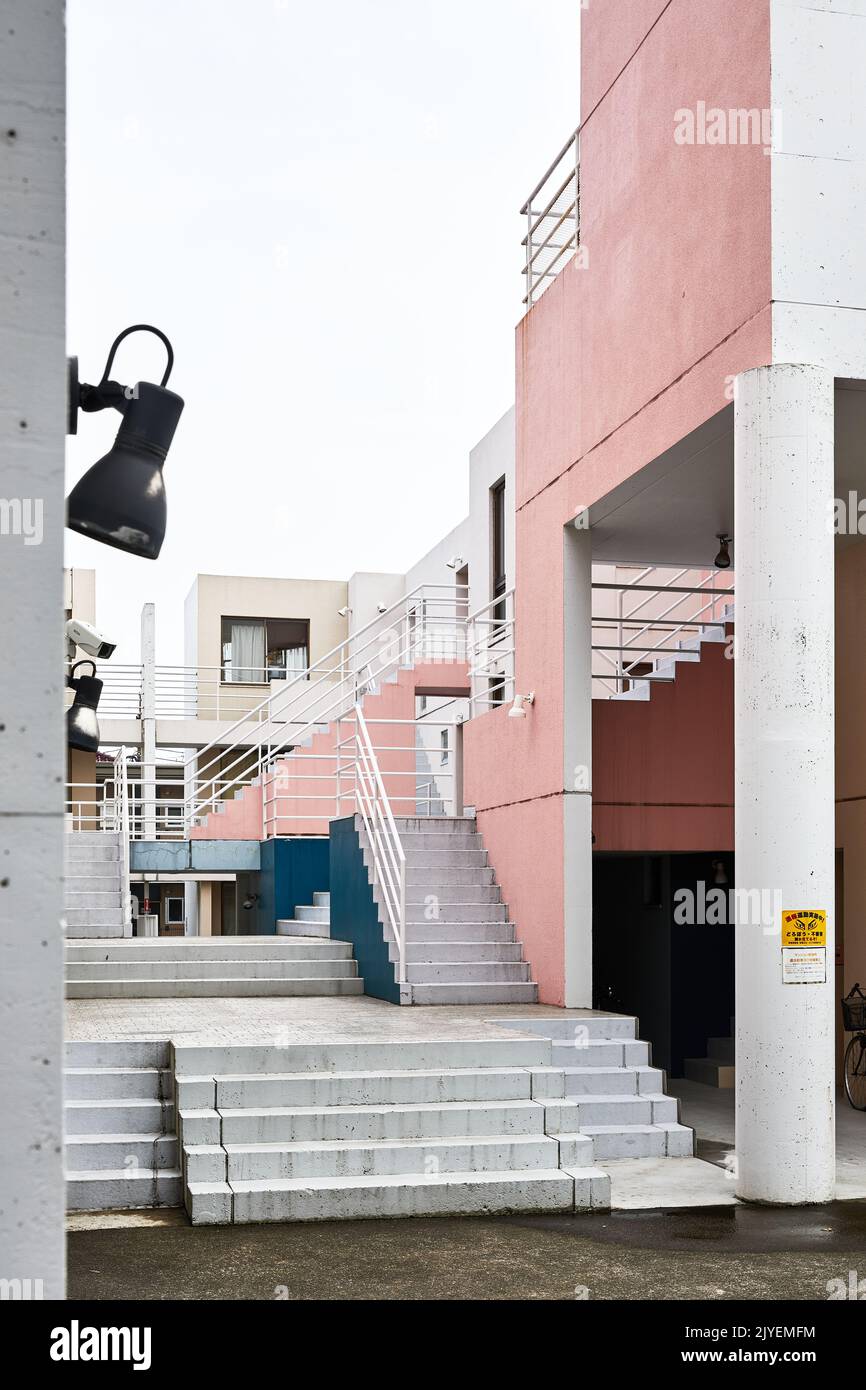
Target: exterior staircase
{"type": "Point", "coordinates": [664, 668]}
{"type": "Point", "coordinates": [93, 878]}
{"type": "Point", "coordinates": [717, 1068]}
{"type": "Point", "coordinates": [461, 947]}
{"type": "Point", "coordinates": [312, 920]}
{"type": "Point", "coordinates": [179, 967]}
{"type": "Point", "coordinates": [121, 1148]}
{"type": "Point", "coordinates": [347, 1130]}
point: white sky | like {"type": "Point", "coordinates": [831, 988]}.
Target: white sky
{"type": "Point", "coordinates": [318, 204]}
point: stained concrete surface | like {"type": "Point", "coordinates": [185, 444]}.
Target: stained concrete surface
{"type": "Point", "coordinates": [713, 1254]}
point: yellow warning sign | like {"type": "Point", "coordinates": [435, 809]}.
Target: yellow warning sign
{"type": "Point", "coordinates": [806, 927]}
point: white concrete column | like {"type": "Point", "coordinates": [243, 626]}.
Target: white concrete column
{"type": "Point", "coordinates": [784, 757]}
{"type": "Point", "coordinates": [148, 721]}
{"type": "Point", "coordinates": [190, 893]}
{"type": "Point", "coordinates": [32, 725]}
{"type": "Point", "coordinates": [577, 765]}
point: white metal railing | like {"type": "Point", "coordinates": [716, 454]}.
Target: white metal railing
{"type": "Point", "coordinates": [643, 624]}
{"type": "Point", "coordinates": [388, 855]}
{"type": "Point", "coordinates": [121, 784]}
{"type": "Point", "coordinates": [552, 213]}
{"type": "Point", "coordinates": [424, 625]}
{"type": "Point", "coordinates": [491, 647]}
{"type": "Point", "coordinates": [184, 692]}
{"type": "Point", "coordinates": [104, 807]}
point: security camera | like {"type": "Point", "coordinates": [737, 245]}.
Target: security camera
{"type": "Point", "coordinates": [455, 563]}
{"type": "Point", "coordinates": [86, 637]}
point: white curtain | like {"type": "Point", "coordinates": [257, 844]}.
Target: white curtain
{"type": "Point", "coordinates": [248, 652]}
{"type": "Point", "coordinates": [296, 660]}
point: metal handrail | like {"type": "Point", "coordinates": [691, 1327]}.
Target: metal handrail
{"type": "Point", "coordinates": [389, 857]}
{"type": "Point", "coordinates": [539, 236]}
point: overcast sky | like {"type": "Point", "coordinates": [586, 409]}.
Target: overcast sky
{"type": "Point", "coordinates": [318, 204]}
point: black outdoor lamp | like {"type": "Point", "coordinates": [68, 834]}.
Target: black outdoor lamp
{"type": "Point", "coordinates": [121, 499]}
{"type": "Point", "coordinates": [723, 559]}
{"type": "Point", "coordinates": [82, 727]}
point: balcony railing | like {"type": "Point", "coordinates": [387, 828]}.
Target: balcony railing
{"type": "Point", "coordinates": [552, 213]}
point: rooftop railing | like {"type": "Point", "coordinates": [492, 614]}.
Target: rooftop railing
{"type": "Point", "coordinates": [552, 213]}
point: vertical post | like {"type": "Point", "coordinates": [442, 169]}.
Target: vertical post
{"type": "Point", "coordinates": [577, 765]}
{"type": "Point", "coordinates": [784, 771]}
{"type": "Point", "coordinates": [458, 768]}
{"type": "Point", "coordinates": [32, 739]}
{"type": "Point", "coordinates": [190, 907]}
{"type": "Point", "coordinates": [148, 722]}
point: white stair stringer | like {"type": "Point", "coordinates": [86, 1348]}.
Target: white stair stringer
{"type": "Point", "coordinates": [461, 947]}
{"type": "Point", "coordinates": [688, 650]}
{"type": "Point", "coordinates": [121, 1149]}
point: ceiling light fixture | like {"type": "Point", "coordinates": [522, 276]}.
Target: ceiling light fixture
{"type": "Point", "coordinates": [517, 710]}
{"type": "Point", "coordinates": [82, 726]}
{"type": "Point", "coordinates": [723, 559]}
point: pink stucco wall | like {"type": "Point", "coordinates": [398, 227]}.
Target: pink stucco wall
{"type": "Point", "coordinates": [619, 360]}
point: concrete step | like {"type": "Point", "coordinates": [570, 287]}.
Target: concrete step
{"type": "Point", "coordinates": [711, 1072]}
{"type": "Point", "coordinates": [96, 917]}
{"type": "Point", "coordinates": [590, 1081]}
{"type": "Point", "coordinates": [426, 876]}
{"type": "Point", "coordinates": [242, 1059]}
{"type": "Point", "coordinates": [437, 859]}
{"type": "Point", "coordinates": [423, 894]}
{"type": "Point", "coordinates": [99, 902]}
{"type": "Point", "coordinates": [574, 1029]}
{"type": "Point", "coordinates": [433, 910]}
{"type": "Point", "coordinates": [288, 1090]}
{"type": "Point", "coordinates": [469, 993]}
{"type": "Point", "coordinates": [75, 856]}
{"type": "Point", "coordinates": [357, 1158]}
{"type": "Point", "coordinates": [289, 926]}
{"type": "Point", "coordinates": [123, 1189]}
{"type": "Point", "coordinates": [321, 900]}
{"type": "Point", "coordinates": [95, 931]}
{"type": "Point", "coordinates": [380, 1122]}
{"type": "Point", "coordinates": [413, 1194]}
{"type": "Point", "coordinates": [313, 914]}
{"type": "Point", "coordinates": [636, 1141]}
{"type": "Point", "coordinates": [601, 1052]}
{"type": "Point", "coordinates": [113, 1052]}
{"type": "Point", "coordinates": [477, 971]}
{"type": "Point", "coordinates": [459, 840]}
{"type": "Point", "coordinates": [721, 1049]}
{"type": "Point", "coordinates": [446, 952]}
{"type": "Point", "coordinates": [113, 1116]}
{"type": "Point", "coordinates": [91, 883]}
{"type": "Point", "coordinates": [461, 933]}
{"type": "Point", "coordinates": [224, 969]}
{"type": "Point", "coordinates": [171, 988]}
{"type": "Point", "coordinates": [115, 1083]}
{"type": "Point", "coordinates": [206, 948]}
{"type": "Point", "coordinates": [436, 825]}
{"type": "Point", "coordinates": [88, 1153]}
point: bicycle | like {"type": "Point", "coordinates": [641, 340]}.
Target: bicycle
{"type": "Point", "coordinates": [854, 1021]}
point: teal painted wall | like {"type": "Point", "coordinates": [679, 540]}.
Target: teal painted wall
{"type": "Point", "coordinates": [354, 915]}
{"type": "Point", "coordinates": [291, 871]}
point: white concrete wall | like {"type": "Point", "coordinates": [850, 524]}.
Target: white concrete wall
{"type": "Point", "coordinates": [32, 735]}
{"type": "Point", "coordinates": [819, 183]}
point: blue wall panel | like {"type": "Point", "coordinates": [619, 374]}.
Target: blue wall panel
{"type": "Point", "coordinates": [354, 915]}
{"type": "Point", "coordinates": [291, 871]}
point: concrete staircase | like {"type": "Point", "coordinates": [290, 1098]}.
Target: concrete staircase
{"type": "Point", "coordinates": [688, 650]}
{"type": "Point", "coordinates": [347, 1130]}
{"type": "Point", "coordinates": [177, 967]}
{"type": "Point", "coordinates": [312, 920]}
{"type": "Point", "coordinates": [121, 1149]}
{"type": "Point", "coordinates": [461, 947]}
{"type": "Point", "coordinates": [717, 1068]}
{"type": "Point", "coordinates": [93, 878]}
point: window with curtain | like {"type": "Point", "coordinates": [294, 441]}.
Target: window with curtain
{"type": "Point", "coordinates": [258, 650]}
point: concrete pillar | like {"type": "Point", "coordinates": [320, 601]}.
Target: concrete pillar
{"type": "Point", "coordinates": [577, 766]}
{"type": "Point", "coordinates": [148, 721]}
{"type": "Point", "coordinates": [32, 729]}
{"type": "Point", "coordinates": [205, 909]}
{"type": "Point", "coordinates": [190, 893]}
{"type": "Point", "coordinates": [784, 758]}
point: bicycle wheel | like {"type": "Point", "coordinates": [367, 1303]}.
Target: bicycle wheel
{"type": "Point", "coordinates": [855, 1071]}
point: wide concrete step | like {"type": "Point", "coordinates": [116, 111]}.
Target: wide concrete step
{"type": "Point", "coordinates": [94, 931]}
{"type": "Point", "coordinates": [207, 948]}
{"type": "Point", "coordinates": [425, 875]}
{"type": "Point", "coordinates": [436, 825]}
{"type": "Point", "coordinates": [473, 993]}
{"type": "Point", "coordinates": [477, 971]}
{"type": "Point", "coordinates": [445, 893]}
{"type": "Point", "coordinates": [292, 969]}
{"type": "Point", "coordinates": [91, 883]}
{"type": "Point", "coordinates": [241, 1059]}
{"type": "Point", "coordinates": [437, 859]}
{"type": "Point", "coordinates": [601, 1052]}
{"type": "Point", "coordinates": [92, 900]}
{"type": "Point", "coordinates": [115, 1052]}
{"type": "Point", "coordinates": [379, 1122]}
{"type": "Point", "coordinates": [574, 1028]}
{"type": "Point", "coordinates": [113, 1116]}
{"type": "Point", "coordinates": [613, 1081]}
{"type": "Point", "coordinates": [372, 1088]}
{"type": "Point", "coordinates": [460, 933]}
{"type": "Point", "coordinates": [456, 840]}
{"type": "Point", "coordinates": [580, 1111]}
{"type": "Point", "coordinates": [118, 1083]}
{"type": "Point", "coordinates": [711, 1072]}
{"type": "Point", "coordinates": [98, 852]}
{"type": "Point", "coordinates": [451, 952]}
{"type": "Point", "coordinates": [433, 910]}
{"type": "Point", "coordinates": [172, 988]}
{"type": "Point", "coordinates": [636, 1141]}
{"type": "Point", "coordinates": [87, 1153]}
{"type": "Point", "coordinates": [123, 1189]}
{"type": "Point", "coordinates": [96, 917]}
{"type": "Point", "coordinates": [358, 1158]}
{"type": "Point", "coordinates": [415, 1194]}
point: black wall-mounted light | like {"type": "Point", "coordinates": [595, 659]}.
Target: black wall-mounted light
{"type": "Point", "coordinates": [82, 726]}
{"type": "Point", "coordinates": [120, 501]}
{"type": "Point", "coordinates": [723, 559]}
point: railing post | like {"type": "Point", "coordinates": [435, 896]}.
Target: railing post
{"type": "Point", "coordinates": [148, 722]}
{"type": "Point", "coordinates": [458, 768]}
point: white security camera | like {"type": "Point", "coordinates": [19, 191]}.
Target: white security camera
{"type": "Point", "coordinates": [86, 637]}
{"type": "Point", "coordinates": [456, 562]}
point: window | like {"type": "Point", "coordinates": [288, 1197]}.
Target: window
{"type": "Point", "coordinates": [175, 911]}
{"type": "Point", "coordinates": [497, 538]}
{"type": "Point", "coordinates": [443, 747]}
{"type": "Point", "coordinates": [258, 650]}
